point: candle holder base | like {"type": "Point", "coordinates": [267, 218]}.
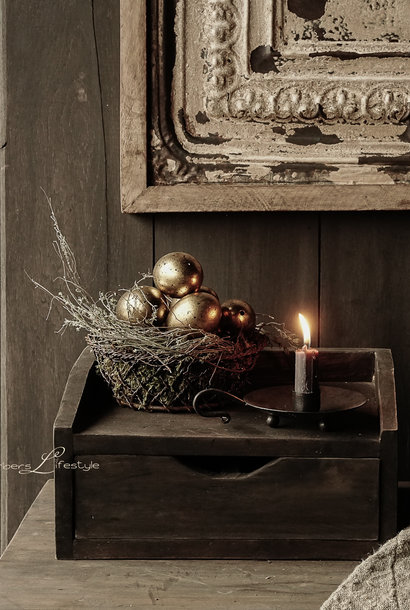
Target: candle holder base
{"type": "Point", "coordinates": [306, 402]}
{"type": "Point", "coordinates": [281, 402]}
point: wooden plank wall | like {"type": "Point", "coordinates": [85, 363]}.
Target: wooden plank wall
{"type": "Point", "coordinates": [62, 136]}
{"type": "Point", "coordinates": [365, 295]}
{"type": "Point", "coordinates": [349, 270]}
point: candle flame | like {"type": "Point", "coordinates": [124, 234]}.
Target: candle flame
{"type": "Point", "coordinates": [305, 329]}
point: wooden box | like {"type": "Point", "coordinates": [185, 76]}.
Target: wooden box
{"type": "Point", "coordinates": [154, 485]}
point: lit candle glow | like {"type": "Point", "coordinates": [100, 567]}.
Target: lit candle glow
{"type": "Point", "coordinates": [306, 392]}
{"type": "Point", "coordinates": [305, 329]}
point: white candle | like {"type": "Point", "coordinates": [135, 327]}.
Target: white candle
{"type": "Point", "coordinates": [306, 360]}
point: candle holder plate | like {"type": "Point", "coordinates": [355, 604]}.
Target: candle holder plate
{"type": "Point", "coordinates": [277, 401]}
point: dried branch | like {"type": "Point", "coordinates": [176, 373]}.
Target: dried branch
{"type": "Point", "coordinates": [133, 357]}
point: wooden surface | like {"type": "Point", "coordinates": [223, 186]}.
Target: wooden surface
{"type": "Point", "coordinates": [364, 296]}
{"type": "Point", "coordinates": [280, 197]}
{"type": "Point", "coordinates": [3, 334]}
{"type": "Point", "coordinates": [62, 136]}
{"type": "Point", "coordinates": [133, 91]}
{"type": "Point", "coordinates": [179, 485]}
{"type": "Point", "coordinates": [183, 500]}
{"type": "Point", "coordinates": [348, 270]}
{"type": "Point", "coordinates": [32, 579]}
{"type": "Point", "coordinates": [102, 427]}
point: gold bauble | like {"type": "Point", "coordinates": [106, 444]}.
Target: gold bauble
{"type": "Point", "coordinates": [177, 274]}
{"type": "Point", "coordinates": [142, 303]}
{"type": "Point", "coordinates": [237, 316]}
{"type": "Point", "coordinates": [207, 289]}
{"type": "Point", "coordinates": [197, 310]}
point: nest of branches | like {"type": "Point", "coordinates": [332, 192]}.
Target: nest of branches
{"type": "Point", "coordinates": [167, 376]}
{"type": "Point", "coordinates": [150, 367]}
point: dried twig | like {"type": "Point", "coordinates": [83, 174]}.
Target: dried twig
{"type": "Point", "coordinates": [146, 364]}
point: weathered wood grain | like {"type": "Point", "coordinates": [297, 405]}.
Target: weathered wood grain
{"type": "Point", "coordinates": [149, 464]}
{"type": "Point", "coordinates": [129, 237]}
{"type": "Point", "coordinates": [386, 392]}
{"type": "Point", "coordinates": [63, 448]}
{"type": "Point", "coordinates": [184, 500]}
{"type": "Point", "coordinates": [63, 136]}
{"type": "Point", "coordinates": [3, 336]}
{"type": "Point", "coordinates": [101, 426]}
{"type": "Point", "coordinates": [32, 578]}
{"type": "Point", "coordinates": [55, 142]}
{"type": "Point", "coordinates": [283, 197]}
{"type": "Point", "coordinates": [364, 300]}
{"type": "Point", "coordinates": [133, 91]}
{"type": "Point", "coordinates": [63, 117]}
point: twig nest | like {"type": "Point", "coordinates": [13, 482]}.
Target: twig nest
{"type": "Point", "coordinates": [177, 274]}
{"type": "Point", "coordinates": [142, 303]}
{"type": "Point", "coordinates": [197, 310]}
{"type": "Point", "coordinates": [237, 317]}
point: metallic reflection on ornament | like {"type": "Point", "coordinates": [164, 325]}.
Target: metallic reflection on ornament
{"type": "Point", "coordinates": [199, 310]}
{"type": "Point", "coordinates": [177, 274]}
{"type": "Point", "coordinates": [277, 402]}
{"type": "Point", "coordinates": [237, 317]}
{"type": "Point", "coordinates": [142, 303]}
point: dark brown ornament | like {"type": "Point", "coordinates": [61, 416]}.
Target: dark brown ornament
{"type": "Point", "coordinates": [177, 274]}
{"type": "Point", "coordinates": [198, 310]}
{"type": "Point", "coordinates": [237, 317]}
{"type": "Point", "coordinates": [142, 303]}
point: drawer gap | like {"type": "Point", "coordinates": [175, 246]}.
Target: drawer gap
{"type": "Point", "coordinates": [223, 466]}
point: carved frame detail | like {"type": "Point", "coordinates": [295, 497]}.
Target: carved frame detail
{"type": "Point", "coordinates": [228, 96]}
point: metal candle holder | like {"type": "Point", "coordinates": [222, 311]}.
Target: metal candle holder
{"type": "Point", "coordinates": [306, 402]}
{"type": "Point", "coordinates": [280, 402]}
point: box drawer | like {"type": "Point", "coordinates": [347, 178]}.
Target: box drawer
{"type": "Point", "coordinates": [168, 497]}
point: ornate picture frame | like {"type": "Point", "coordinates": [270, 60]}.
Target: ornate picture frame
{"type": "Point", "coordinates": [265, 105]}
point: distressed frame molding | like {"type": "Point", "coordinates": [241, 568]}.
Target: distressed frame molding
{"type": "Point", "coordinates": [159, 175]}
{"type": "Point", "coordinates": [245, 97]}
{"type": "Point", "coordinates": [133, 102]}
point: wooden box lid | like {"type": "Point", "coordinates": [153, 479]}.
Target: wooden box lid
{"type": "Point", "coordinates": [96, 424]}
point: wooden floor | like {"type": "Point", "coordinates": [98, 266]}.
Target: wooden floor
{"type": "Point", "coordinates": [32, 579]}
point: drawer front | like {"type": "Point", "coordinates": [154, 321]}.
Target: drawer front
{"type": "Point", "coordinates": [148, 497]}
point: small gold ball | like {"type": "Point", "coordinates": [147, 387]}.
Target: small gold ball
{"type": "Point", "coordinates": [177, 274]}
{"type": "Point", "coordinates": [142, 303]}
{"type": "Point", "coordinates": [237, 317]}
{"type": "Point", "coordinates": [198, 310]}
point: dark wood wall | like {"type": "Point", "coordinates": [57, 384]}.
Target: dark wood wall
{"type": "Point", "coordinates": [62, 136]}
{"type": "Point", "coordinates": [347, 270]}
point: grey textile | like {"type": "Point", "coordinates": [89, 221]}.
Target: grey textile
{"type": "Point", "coordinates": [381, 582]}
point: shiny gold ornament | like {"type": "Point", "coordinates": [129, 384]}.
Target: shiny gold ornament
{"type": "Point", "coordinates": [142, 303]}
{"type": "Point", "coordinates": [237, 316]}
{"type": "Point", "coordinates": [177, 274]}
{"type": "Point", "coordinates": [207, 289]}
{"type": "Point", "coordinates": [198, 310]}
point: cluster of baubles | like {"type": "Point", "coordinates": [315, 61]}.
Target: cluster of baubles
{"type": "Point", "coordinates": [180, 300]}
